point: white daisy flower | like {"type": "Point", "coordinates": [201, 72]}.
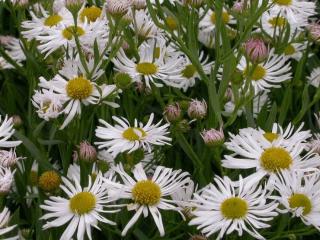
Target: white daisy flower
{"type": "Point", "coordinates": [76, 89]}
{"type": "Point", "coordinates": [154, 64]}
{"type": "Point", "coordinates": [13, 47]}
{"type": "Point", "coordinates": [122, 137]}
{"type": "Point", "coordinates": [266, 156]}
{"type": "Point", "coordinates": [6, 132]}
{"type": "Point", "coordinates": [300, 195]}
{"type": "Point", "coordinates": [208, 22]}
{"type": "Point", "coordinates": [294, 10]}
{"type": "Point", "coordinates": [274, 23]}
{"type": "Point", "coordinates": [268, 74]}
{"type": "Point", "coordinates": [314, 78]}
{"type": "Point", "coordinates": [148, 194]}
{"type": "Point", "coordinates": [4, 220]}
{"type": "Point", "coordinates": [49, 105]}
{"type": "Point", "coordinates": [82, 208]}
{"type": "Point", "coordinates": [295, 50]}
{"type": "Point", "coordinates": [225, 208]}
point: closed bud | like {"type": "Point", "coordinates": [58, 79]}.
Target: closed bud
{"type": "Point", "coordinates": [8, 158]}
{"type": "Point", "coordinates": [118, 8]}
{"type": "Point", "coordinates": [238, 7]}
{"type": "Point", "coordinates": [197, 109]}
{"type": "Point", "coordinates": [172, 112]}
{"type": "Point", "coordinates": [74, 5]}
{"type": "Point", "coordinates": [314, 32]}
{"type": "Point", "coordinates": [139, 4]}
{"type": "Point", "coordinates": [213, 137]}
{"type": "Point", "coordinates": [6, 180]}
{"type": "Point", "coordinates": [183, 126]}
{"type": "Point", "coordinates": [87, 152]}
{"type": "Point", "coordinates": [122, 80]}
{"type": "Point", "coordinates": [17, 121]}
{"type": "Point", "coordinates": [256, 50]}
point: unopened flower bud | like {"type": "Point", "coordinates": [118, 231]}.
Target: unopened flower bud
{"type": "Point", "coordinates": [197, 109]}
{"type": "Point", "coordinates": [20, 2]}
{"type": "Point", "coordinates": [87, 152]}
{"type": "Point", "coordinates": [139, 4]}
{"type": "Point", "coordinates": [6, 180]}
{"type": "Point", "coordinates": [172, 112]}
{"type": "Point", "coordinates": [118, 8]}
{"type": "Point", "coordinates": [213, 137]}
{"type": "Point", "coordinates": [122, 80]}
{"type": "Point", "coordinates": [49, 181]}
{"type": "Point", "coordinates": [256, 50]}
{"type": "Point", "coordinates": [8, 158]}
{"type": "Point", "coordinates": [228, 94]}
{"type": "Point", "coordinates": [183, 126]}
{"type": "Point", "coordinates": [238, 7]}
{"type": "Point", "coordinates": [74, 5]}
{"type": "Point", "coordinates": [192, 3]}
{"type": "Point", "coordinates": [314, 31]}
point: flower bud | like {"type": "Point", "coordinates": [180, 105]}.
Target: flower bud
{"type": "Point", "coordinates": [213, 137]}
{"type": "Point", "coordinates": [8, 158]}
{"type": "Point", "coordinates": [228, 95]}
{"type": "Point", "coordinates": [17, 121]}
{"type": "Point", "coordinates": [139, 4]}
{"type": "Point", "coordinates": [183, 126]}
{"type": "Point", "coordinates": [58, 5]}
{"type": "Point", "coordinates": [118, 8]}
{"type": "Point", "coordinates": [172, 112]}
{"type": "Point", "coordinates": [6, 180]}
{"type": "Point", "coordinates": [49, 181]}
{"type": "Point", "coordinates": [74, 5]}
{"type": "Point", "coordinates": [122, 80]}
{"type": "Point", "coordinates": [192, 3]}
{"type": "Point", "coordinates": [198, 237]}
{"type": "Point", "coordinates": [197, 109]}
{"type": "Point", "coordinates": [256, 50]}
{"type": "Point", "coordinates": [87, 152]}
{"type": "Point", "coordinates": [238, 7]}
{"type": "Point", "coordinates": [314, 31]}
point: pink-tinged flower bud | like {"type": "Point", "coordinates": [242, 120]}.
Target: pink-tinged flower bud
{"type": "Point", "coordinates": [172, 112]}
{"type": "Point", "coordinates": [238, 7]}
{"type": "Point", "coordinates": [314, 31]}
{"type": "Point", "coordinates": [87, 152]}
{"type": "Point", "coordinates": [256, 50]}
{"type": "Point", "coordinates": [118, 8]}
{"type": "Point", "coordinates": [139, 4]}
{"type": "Point", "coordinates": [197, 109]}
{"type": "Point", "coordinates": [6, 40]}
{"type": "Point", "coordinates": [213, 137]}
{"type": "Point", "coordinates": [8, 158]}
{"type": "Point", "coordinates": [228, 94]}
{"type": "Point", "coordinates": [6, 179]}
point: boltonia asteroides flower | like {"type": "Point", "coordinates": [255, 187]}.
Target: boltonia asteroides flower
{"type": "Point", "coordinates": [222, 207]}
{"type": "Point", "coordinates": [122, 137]}
{"type": "Point", "coordinates": [73, 85]}
{"type": "Point", "coordinates": [148, 194]}
{"type": "Point", "coordinates": [314, 78]}
{"type": "Point", "coordinates": [300, 195]}
{"type": "Point", "coordinates": [4, 220]}
{"type": "Point", "coordinates": [82, 208]}
{"type": "Point", "coordinates": [6, 132]}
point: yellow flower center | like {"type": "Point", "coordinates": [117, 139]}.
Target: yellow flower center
{"type": "Point", "coordinates": [134, 134]}
{"type": "Point", "coordinates": [234, 207]}
{"type": "Point", "coordinates": [146, 192]}
{"type": "Point", "coordinates": [258, 73]}
{"type": "Point", "coordinates": [68, 32]}
{"type": "Point", "coordinates": [79, 88]}
{"type": "Point", "coordinates": [283, 2]}
{"type": "Point", "coordinates": [275, 158]}
{"type": "Point", "coordinates": [277, 22]}
{"type": "Point", "coordinates": [46, 106]}
{"type": "Point", "coordinates": [270, 136]}
{"type": "Point", "coordinates": [171, 22]}
{"type": "Point", "coordinates": [146, 68]}
{"type": "Point", "coordinates": [82, 203]}
{"type": "Point", "coordinates": [52, 20]}
{"type": "Point", "coordinates": [290, 50]}
{"type": "Point", "coordinates": [225, 17]}
{"type": "Point", "coordinates": [298, 200]}
{"type": "Point", "coordinates": [189, 71]}
{"type": "Point", "coordinates": [91, 13]}
{"type": "Point", "coordinates": [49, 181]}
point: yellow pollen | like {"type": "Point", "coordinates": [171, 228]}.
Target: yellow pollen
{"type": "Point", "coordinates": [283, 2]}
{"type": "Point", "coordinates": [82, 203]}
{"type": "Point", "coordinates": [277, 22]}
{"type": "Point", "coordinates": [275, 158]}
{"type": "Point", "coordinates": [300, 200]}
{"type": "Point", "coordinates": [258, 73]}
{"type": "Point", "coordinates": [289, 50]}
{"type": "Point", "coordinates": [147, 68]}
{"type": "Point", "coordinates": [52, 20]}
{"type": "Point", "coordinates": [134, 134]}
{"type": "Point", "coordinates": [146, 192]}
{"type": "Point", "coordinates": [68, 32]}
{"type": "Point", "coordinates": [270, 136]}
{"type": "Point", "coordinates": [225, 17]}
{"type": "Point", "coordinates": [79, 88]}
{"type": "Point", "coordinates": [46, 106]}
{"type": "Point", "coordinates": [172, 23]}
{"type": "Point", "coordinates": [49, 181]}
{"type": "Point", "coordinates": [234, 207]}
{"type": "Point", "coordinates": [91, 13]}
{"type": "Point", "coordinates": [189, 71]}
